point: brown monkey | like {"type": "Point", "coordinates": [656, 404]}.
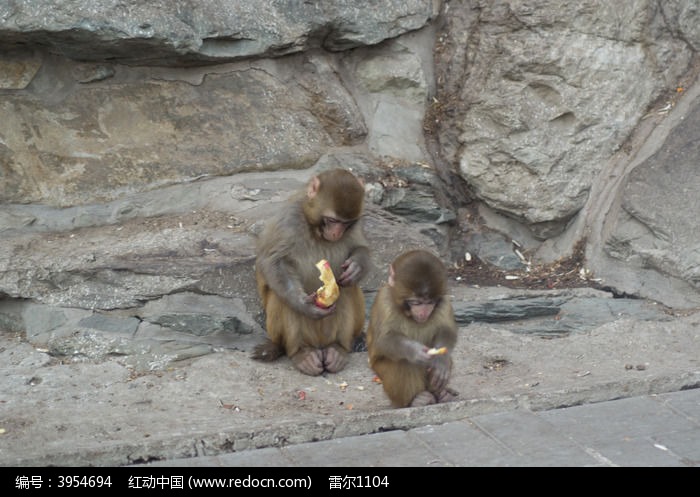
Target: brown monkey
{"type": "Point", "coordinates": [321, 222]}
{"type": "Point", "coordinates": [410, 316]}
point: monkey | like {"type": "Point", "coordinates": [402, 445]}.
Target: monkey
{"type": "Point", "coordinates": [321, 221]}
{"type": "Point", "coordinates": [410, 315]}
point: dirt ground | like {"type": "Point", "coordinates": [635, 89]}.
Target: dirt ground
{"type": "Point", "coordinates": [101, 414]}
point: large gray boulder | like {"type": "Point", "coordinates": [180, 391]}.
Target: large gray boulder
{"type": "Point", "coordinates": [531, 132]}
{"type": "Point", "coordinates": [203, 32]}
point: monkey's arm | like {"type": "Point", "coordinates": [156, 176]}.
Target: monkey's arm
{"type": "Point", "coordinates": [441, 365]}
{"type": "Point", "coordinates": [439, 372]}
{"type": "Point", "coordinates": [445, 332]}
{"type": "Point", "coordinates": [287, 285]}
{"type": "Point", "coordinates": [445, 336]}
{"type": "Point", "coordinates": [396, 346]}
{"type": "Point", "coordinates": [280, 274]}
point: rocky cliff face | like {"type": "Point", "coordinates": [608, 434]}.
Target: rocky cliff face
{"type": "Point", "coordinates": [143, 146]}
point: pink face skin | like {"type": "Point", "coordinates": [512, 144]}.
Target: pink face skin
{"type": "Point", "coordinates": [420, 311]}
{"type": "Point", "coordinates": [333, 229]}
{"type": "Point", "coordinates": [420, 308]}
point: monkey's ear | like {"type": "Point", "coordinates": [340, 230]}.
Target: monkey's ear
{"type": "Point", "coordinates": [313, 187]}
{"type": "Point", "coordinates": [391, 275]}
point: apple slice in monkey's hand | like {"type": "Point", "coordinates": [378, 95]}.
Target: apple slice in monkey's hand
{"type": "Point", "coordinates": [329, 292]}
{"type": "Point", "coordinates": [440, 351]}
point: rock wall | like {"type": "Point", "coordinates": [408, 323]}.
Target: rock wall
{"type": "Point", "coordinates": [142, 146]}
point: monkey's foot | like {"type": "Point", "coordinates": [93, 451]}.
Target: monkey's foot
{"type": "Point", "coordinates": [334, 359]}
{"type": "Point", "coordinates": [424, 398]}
{"type": "Point", "coordinates": [309, 361]}
{"type": "Point", "coordinates": [360, 343]}
{"type": "Point", "coordinates": [267, 351]}
{"type": "Point", "coordinates": [446, 395]}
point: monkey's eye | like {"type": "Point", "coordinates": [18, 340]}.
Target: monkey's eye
{"type": "Point", "coordinates": [417, 302]}
{"type": "Point", "coordinates": [330, 221]}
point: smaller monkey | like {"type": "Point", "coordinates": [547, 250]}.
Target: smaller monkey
{"type": "Point", "coordinates": [410, 316]}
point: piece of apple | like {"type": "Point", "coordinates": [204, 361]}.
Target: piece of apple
{"type": "Point", "coordinates": [329, 292]}
{"type": "Point", "coordinates": [440, 351]}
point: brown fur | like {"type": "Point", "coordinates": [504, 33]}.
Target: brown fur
{"type": "Point", "coordinates": [287, 253]}
{"type": "Point", "coordinates": [393, 336]}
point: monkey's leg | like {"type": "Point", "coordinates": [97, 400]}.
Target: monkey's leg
{"type": "Point", "coordinates": [402, 382]}
{"type": "Point", "coordinates": [285, 327]}
{"type": "Point", "coordinates": [273, 347]}
{"type": "Point", "coordinates": [349, 318]}
{"type": "Point", "coordinates": [338, 332]}
{"type": "Point", "coordinates": [424, 398]}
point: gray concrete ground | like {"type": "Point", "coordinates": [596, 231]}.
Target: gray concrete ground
{"type": "Point", "coordinates": [647, 431]}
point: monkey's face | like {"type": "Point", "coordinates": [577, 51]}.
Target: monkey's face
{"type": "Point", "coordinates": [333, 229]}
{"type": "Point", "coordinates": [334, 202]}
{"type": "Point", "coordinates": [418, 309]}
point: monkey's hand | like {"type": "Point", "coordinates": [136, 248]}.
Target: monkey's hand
{"type": "Point", "coordinates": [416, 353]}
{"type": "Point", "coordinates": [439, 373]}
{"type": "Point", "coordinates": [307, 306]}
{"type": "Point", "coordinates": [352, 272]}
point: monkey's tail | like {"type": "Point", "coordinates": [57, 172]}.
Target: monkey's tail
{"type": "Point", "coordinates": [267, 351]}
